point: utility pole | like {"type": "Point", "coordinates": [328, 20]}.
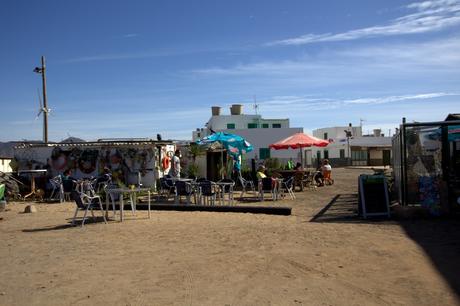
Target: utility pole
{"type": "Point", "coordinates": [42, 71]}
{"type": "Point", "coordinates": [349, 134]}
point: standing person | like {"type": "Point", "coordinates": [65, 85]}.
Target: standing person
{"type": "Point", "coordinates": [261, 172]}
{"type": "Point", "coordinates": [175, 165]}
{"type": "Point", "coordinates": [261, 175]}
{"type": "Point", "coordinates": [327, 170]}
{"type": "Point", "coordinates": [326, 166]}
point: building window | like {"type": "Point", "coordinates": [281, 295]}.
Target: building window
{"type": "Point", "coordinates": [276, 125]}
{"type": "Point", "coordinates": [359, 155]}
{"type": "Point", "coordinates": [264, 153]}
{"type": "Point", "coordinates": [326, 154]}
{"type": "Point", "coordinates": [230, 126]}
{"type": "Point", "coordinates": [325, 136]}
{"type": "Point", "coordinates": [252, 125]}
{"type": "Point", "coordinates": [342, 153]}
{"type": "Point", "coordinates": [265, 125]}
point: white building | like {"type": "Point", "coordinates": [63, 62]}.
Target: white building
{"type": "Point", "coordinates": [258, 131]}
{"type": "Point", "coordinates": [349, 146]}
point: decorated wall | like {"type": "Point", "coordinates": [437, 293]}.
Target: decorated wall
{"type": "Point", "coordinates": [128, 164]}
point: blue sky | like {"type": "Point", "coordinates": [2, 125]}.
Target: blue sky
{"type": "Point", "coordinates": [138, 68]}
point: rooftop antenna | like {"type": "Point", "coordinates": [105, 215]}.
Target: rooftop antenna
{"type": "Point", "coordinates": [361, 120]}
{"type": "Point", "coordinates": [255, 106]}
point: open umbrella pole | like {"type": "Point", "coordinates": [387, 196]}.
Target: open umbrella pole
{"type": "Point", "coordinates": [301, 157]}
{"type": "Point", "coordinates": [222, 164]}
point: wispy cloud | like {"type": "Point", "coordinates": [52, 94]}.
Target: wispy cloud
{"type": "Point", "coordinates": [392, 99]}
{"type": "Point", "coordinates": [429, 16]}
{"type": "Point", "coordinates": [306, 103]}
{"type": "Point", "coordinates": [130, 35]}
{"type": "Point", "coordinates": [109, 57]}
{"type": "Point", "coordinates": [355, 64]}
{"type": "Point", "coordinates": [164, 52]}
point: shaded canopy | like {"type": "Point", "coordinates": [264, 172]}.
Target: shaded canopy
{"type": "Point", "coordinates": [297, 141]}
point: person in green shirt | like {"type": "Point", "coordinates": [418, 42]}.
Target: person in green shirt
{"type": "Point", "coordinates": [290, 164]}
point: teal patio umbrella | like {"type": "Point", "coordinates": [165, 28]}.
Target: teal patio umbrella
{"type": "Point", "coordinates": [234, 144]}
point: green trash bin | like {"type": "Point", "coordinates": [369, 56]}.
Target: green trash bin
{"type": "Point", "coordinates": [2, 197]}
{"type": "Point", "coordinates": [2, 192]}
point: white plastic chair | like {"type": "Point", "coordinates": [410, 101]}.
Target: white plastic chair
{"type": "Point", "coordinates": [266, 184]}
{"type": "Point", "coordinates": [245, 184]}
{"type": "Point", "coordinates": [86, 202]}
{"type": "Point", "coordinates": [58, 189]}
{"type": "Point", "coordinates": [288, 185]}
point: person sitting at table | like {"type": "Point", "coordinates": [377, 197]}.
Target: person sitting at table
{"type": "Point", "coordinates": [319, 178]}
{"type": "Point", "coordinates": [290, 164]}
{"type": "Point", "coordinates": [105, 177]}
{"type": "Point", "coordinates": [68, 182]}
{"type": "Point", "coordinates": [298, 167]}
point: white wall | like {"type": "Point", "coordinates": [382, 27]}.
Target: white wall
{"type": "Point", "coordinates": [337, 132]}
{"type": "Point", "coordinates": [375, 154]}
{"type": "Point", "coordinates": [333, 151]}
{"type": "Point", "coordinates": [240, 121]}
{"type": "Point", "coordinates": [5, 165]}
{"type": "Point", "coordinates": [219, 123]}
{"type": "Point", "coordinates": [262, 138]}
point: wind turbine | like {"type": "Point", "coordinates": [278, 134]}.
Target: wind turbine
{"type": "Point", "coordinates": [255, 105]}
{"type": "Point", "coordinates": [45, 111]}
{"type": "Point", "coordinates": [41, 70]}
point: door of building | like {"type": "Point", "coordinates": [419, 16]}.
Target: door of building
{"type": "Point", "coordinates": [386, 157]}
{"type": "Point", "coordinates": [214, 164]}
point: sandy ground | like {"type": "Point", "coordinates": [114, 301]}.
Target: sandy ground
{"type": "Point", "coordinates": [204, 258]}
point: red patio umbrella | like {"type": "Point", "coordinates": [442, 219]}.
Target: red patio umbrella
{"type": "Point", "coordinates": [299, 141]}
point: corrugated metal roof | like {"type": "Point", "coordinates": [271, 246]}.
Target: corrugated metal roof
{"type": "Point", "coordinates": [452, 117]}
{"type": "Point", "coordinates": [96, 144]}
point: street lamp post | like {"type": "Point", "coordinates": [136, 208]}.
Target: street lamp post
{"type": "Point", "coordinates": [349, 135]}
{"type": "Point", "coordinates": [45, 102]}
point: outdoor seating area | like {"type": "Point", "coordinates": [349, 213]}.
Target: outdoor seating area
{"type": "Point", "coordinates": [196, 191]}
{"type": "Point", "coordinates": [230, 153]}
{"type": "Point", "coordinates": [307, 244]}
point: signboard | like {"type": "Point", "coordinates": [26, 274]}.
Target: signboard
{"type": "Point", "coordinates": [373, 196]}
{"type": "Point", "coordinates": [453, 132]}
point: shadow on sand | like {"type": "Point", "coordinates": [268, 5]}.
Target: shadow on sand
{"type": "Point", "coordinates": [439, 237]}
{"type": "Point", "coordinates": [64, 226]}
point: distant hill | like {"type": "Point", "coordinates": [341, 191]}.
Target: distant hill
{"type": "Point", "coordinates": [6, 149]}
{"type": "Point", "coordinates": [72, 140]}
